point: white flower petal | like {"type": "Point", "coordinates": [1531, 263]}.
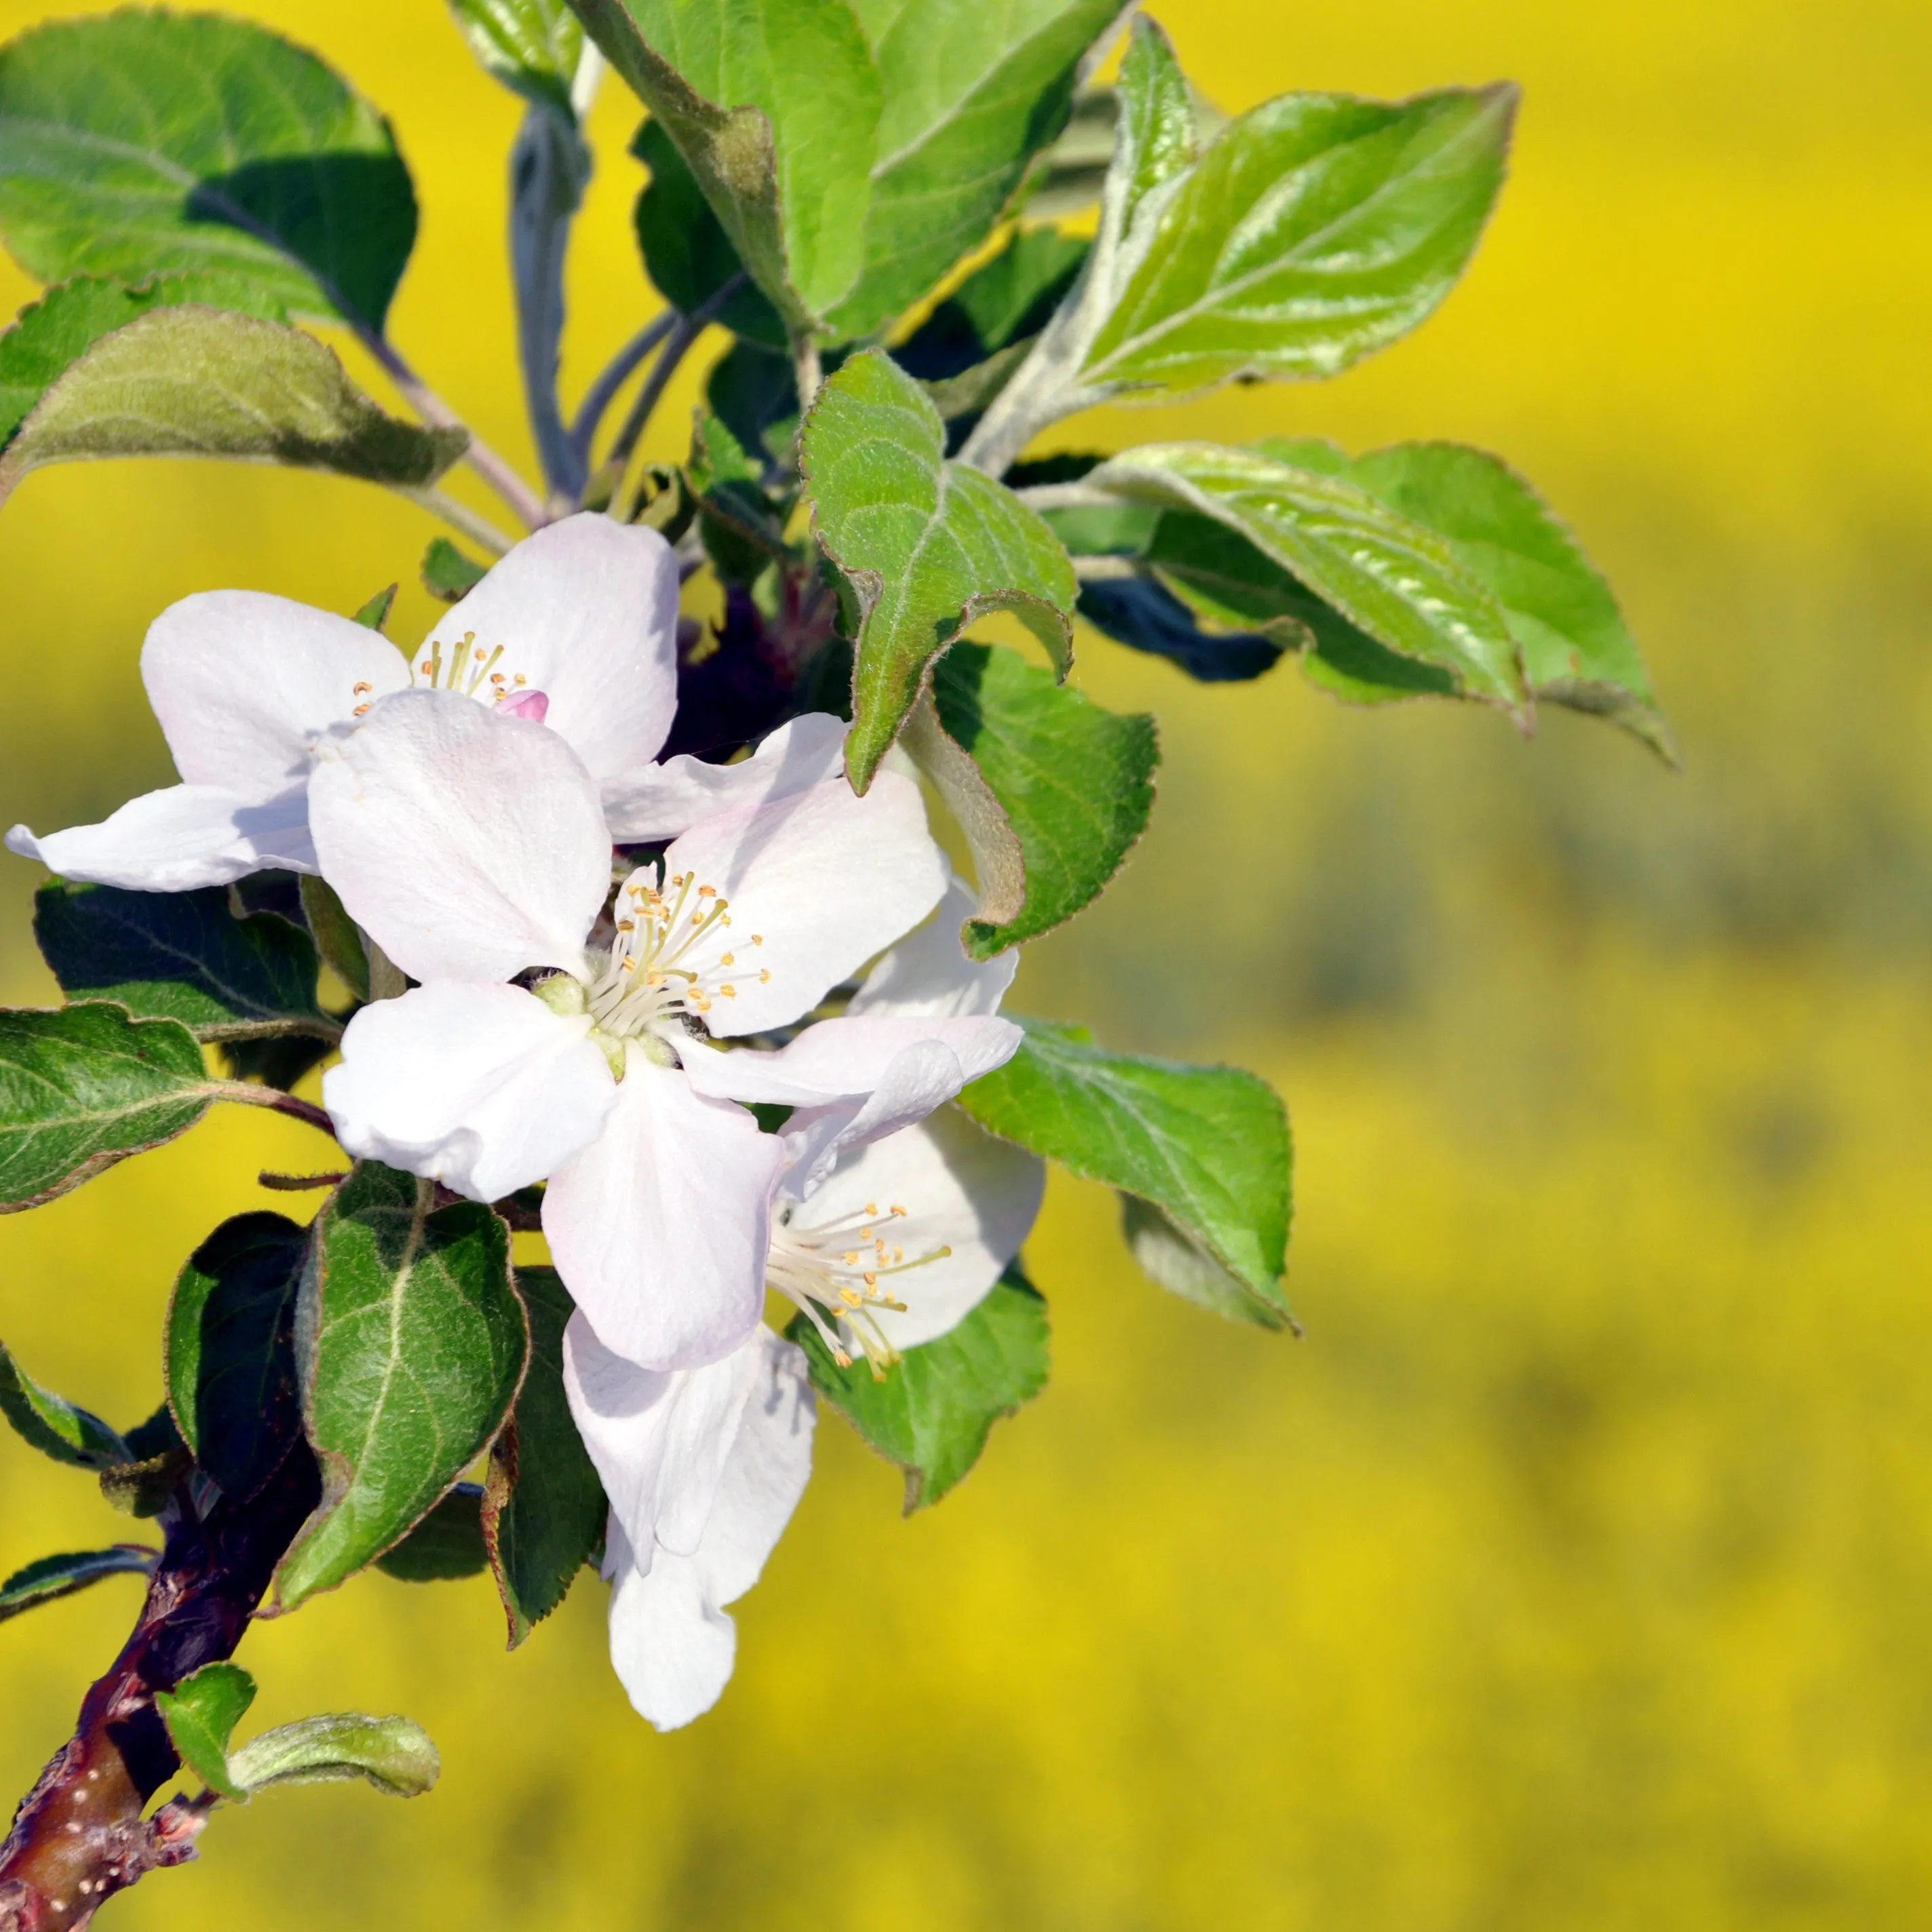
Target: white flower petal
{"type": "Point", "coordinates": [664, 800]}
{"type": "Point", "coordinates": [585, 611]}
{"type": "Point", "coordinates": [483, 1088]}
{"type": "Point", "coordinates": [961, 1190]}
{"type": "Point", "coordinates": [670, 1641]}
{"type": "Point", "coordinates": [659, 1437]}
{"type": "Point", "coordinates": [660, 1228]}
{"type": "Point", "coordinates": [174, 840]}
{"type": "Point", "coordinates": [928, 971]}
{"type": "Point", "coordinates": [241, 682]}
{"type": "Point", "coordinates": [468, 846]}
{"type": "Point", "coordinates": [817, 883]}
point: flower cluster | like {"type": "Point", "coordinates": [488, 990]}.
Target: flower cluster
{"type": "Point", "coordinates": [614, 960]}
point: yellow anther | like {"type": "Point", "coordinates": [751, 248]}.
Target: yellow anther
{"type": "Point", "coordinates": [360, 689]}
{"type": "Point", "coordinates": [496, 677]}
{"type": "Point", "coordinates": [872, 1209]}
{"type": "Point", "coordinates": [730, 992]}
{"type": "Point", "coordinates": [757, 939]}
{"type": "Point", "coordinates": [764, 976]}
{"type": "Point", "coordinates": [727, 959]}
{"type": "Point", "coordinates": [627, 925]}
{"type": "Point", "coordinates": [852, 1259]}
{"type": "Point", "coordinates": [359, 709]}
{"type": "Point", "coordinates": [707, 891]}
{"type": "Point", "coordinates": [630, 966]}
{"type": "Point", "coordinates": [897, 1209]}
{"type": "Point", "coordinates": [520, 678]}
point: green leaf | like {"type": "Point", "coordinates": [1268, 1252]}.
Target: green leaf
{"type": "Point", "coordinates": [532, 46]}
{"type": "Point", "coordinates": [231, 1357]}
{"type": "Point", "coordinates": [1317, 228]}
{"type": "Point", "coordinates": [927, 546]}
{"type": "Point", "coordinates": [1146, 615]}
{"type": "Point", "coordinates": [544, 1509]}
{"type": "Point", "coordinates": [1575, 648]}
{"type": "Point", "coordinates": [754, 394]}
{"type": "Point", "coordinates": [146, 1486]}
{"type": "Point", "coordinates": [55, 1426]}
{"type": "Point", "coordinates": [393, 1753]}
{"type": "Point", "coordinates": [969, 96]}
{"type": "Point", "coordinates": [201, 1713]}
{"type": "Point", "coordinates": [374, 614]}
{"type": "Point", "coordinates": [1183, 1267]}
{"type": "Point", "coordinates": [54, 331]}
{"type": "Point", "coordinates": [196, 382]}
{"type": "Point", "coordinates": [51, 1577]}
{"type": "Point", "coordinates": [337, 938]}
{"type": "Point", "coordinates": [1401, 584]}
{"type": "Point", "coordinates": [85, 1086]}
{"type": "Point", "coordinates": [1208, 1145]}
{"type": "Point", "coordinates": [774, 104]}
{"type": "Point", "coordinates": [140, 143]}
{"type": "Point", "coordinates": [687, 253]}
{"type": "Point", "coordinates": [448, 574]}
{"type": "Point", "coordinates": [182, 956]}
{"type": "Point", "coordinates": [1075, 782]}
{"type": "Point", "coordinates": [446, 1544]}
{"type": "Point", "coordinates": [411, 1343]}
{"type": "Point", "coordinates": [935, 1406]}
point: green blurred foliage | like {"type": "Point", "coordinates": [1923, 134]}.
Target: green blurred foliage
{"type": "Point", "coordinates": [1576, 1570]}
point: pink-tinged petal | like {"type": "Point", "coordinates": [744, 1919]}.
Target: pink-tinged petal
{"type": "Point", "coordinates": [963, 1191]}
{"type": "Point", "coordinates": [817, 883]}
{"type": "Point", "coordinates": [483, 1088]}
{"type": "Point", "coordinates": [659, 1437]}
{"type": "Point", "coordinates": [660, 1228]}
{"type": "Point", "coordinates": [662, 801]}
{"type": "Point", "coordinates": [177, 839]}
{"type": "Point", "coordinates": [242, 683]}
{"type": "Point", "coordinates": [466, 845]}
{"type": "Point", "coordinates": [585, 611]}
{"type": "Point", "coordinates": [928, 971]}
{"type": "Point", "coordinates": [671, 1643]}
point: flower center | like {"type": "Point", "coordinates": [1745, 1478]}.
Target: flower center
{"type": "Point", "coordinates": [470, 671]}
{"type": "Point", "coordinates": [836, 1269]}
{"type": "Point", "coordinates": [672, 955]}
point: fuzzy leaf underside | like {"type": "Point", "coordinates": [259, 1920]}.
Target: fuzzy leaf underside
{"type": "Point", "coordinates": [49, 1578]}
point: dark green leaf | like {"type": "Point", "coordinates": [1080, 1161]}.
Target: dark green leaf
{"type": "Point", "coordinates": [85, 1086]}
{"type": "Point", "coordinates": [145, 1486]}
{"type": "Point", "coordinates": [231, 1360]}
{"type": "Point", "coordinates": [55, 1426]}
{"type": "Point", "coordinates": [196, 382]}
{"type": "Point", "coordinates": [1316, 228]}
{"type": "Point", "coordinates": [532, 46]}
{"type": "Point", "coordinates": [544, 1509]}
{"type": "Point", "coordinates": [927, 546]}
{"type": "Point", "coordinates": [1395, 580]}
{"type": "Point", "coordinates": [411, 1343]}
{"type": "Point", "coordinates": [53, 1577]}
{"type": "Point", "coordinates": [201, 1713]}
{"type": "Point", "coordinates": [140, 143]}
{"type": "Point", "coordinates": [687, 253]}
{"type": "Point", "coordinates": [1007, 297]}
{"type": "Point", "coordinates": [446, 1544]}
{"type": "Point", "coordinates": [375, 614]}
{"type": "Point", "coordinates": [1208, 1145]}
{"type": "Point", "coordinates": [1076, 781]}
{"type": "Point", "coordinates": [182, 956]}
{"type": "Point", "coordinates": [933, 1410]}
{"type": "Point", "coordinates": [448, 574]}
{"type": "Point", "coordinates": [754, 394]}
{"type": "Point", "coordinates": [54, 331]}
{"type": "Point", "coordinates": [1147, 615]}
{"type": "Point", "coordinates": [155, 1437]}
{"type": "Point", "coordinates": [394, 1754]}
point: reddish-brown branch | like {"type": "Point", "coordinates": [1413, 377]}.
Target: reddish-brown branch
{"type": "Point", "coordinates": [80, 1836]}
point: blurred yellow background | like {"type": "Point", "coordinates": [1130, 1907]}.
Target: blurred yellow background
{"type": "Point", "coordinates": [1576, 1570]}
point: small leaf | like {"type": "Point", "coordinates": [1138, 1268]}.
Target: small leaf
{"type": "Point", "coordinates": [182, 956]}
{"type": "Point", "coordinates": [140, 143]}
{"type": "Point", "coordinates": [1075, 782]}
{"type": "Point", "coordinates": [411, 1343]}
{"type": "Point", "coordinates": [196, 382]}
{"type": "Point", "coordinates": [927, 546]}
{"type": "Point", "coordinates": [201, 1713]}
{"type": "Point", "coordinates": [393, 1753]}
{"type": "Point", "coordinates": [1148, 617]}
{"type": "Point", "coordinates": [933, 1410]}
{"type": "Point", "coordinates": [55, 1426]}
{"type": "Point", "coordinates": [544, 1509]}
{"type": "Point", "coordinates": [51, 1577]}
{"type": "Point", "coordinates": [1184, 1267]}
{"type": "Point", "coordinates": [231, 1360]}
{"type": "Point", "coordinates": [147, 1487]}
{"type": "Point", "coordinates": [1399, 582]}
{"type": "Point", "coordinates": [69, 319]}
{"type": "Point", "coordinates": [85, 1087]}
{"type": "Point", "coordinates": [532, 46]}
{"type": "Point", "coordinates": [1208, 1145]}
{"type": "Point", "coordinates": [1316, 228]}
{"type": "Point", "coordinates": [446, 1544]}
{"type": "Point", "coordinates": [374, 614]}
{"type": "Point", "coordinates": [448, 574]}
